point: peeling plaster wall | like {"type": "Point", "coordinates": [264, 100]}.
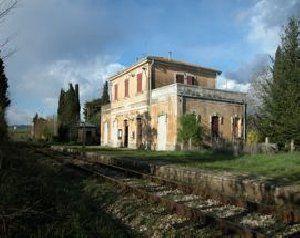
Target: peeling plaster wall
{"type": "Point", "coordinates": [166, 75]}
{"type": "Point", "coordinates": [169, 99]}
{"type": "Point", "coordinates": [164, 102]}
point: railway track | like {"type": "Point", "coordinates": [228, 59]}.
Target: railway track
{"type": "Point", "coordinates": [234, 217]}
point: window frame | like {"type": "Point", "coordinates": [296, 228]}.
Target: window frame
{"type": "Point", "coordinates": [116, 92]}
{"type": "Point", "coordinates": [126, 88]}
{"type": "Point", "coordinates": [183, 78]}
{"type": "Point", "coordinates": [139, 83]}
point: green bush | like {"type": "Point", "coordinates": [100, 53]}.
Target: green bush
{"type": "Point", "coordinates": [190, 131]}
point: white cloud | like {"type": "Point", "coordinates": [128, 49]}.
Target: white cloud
{"type": "Point", "coordinates": [42, 84]}
{"type": "Point", "coordinates": [266, 19]}
{"type": "Point", "coordinates": [230, 84]}
{"type": "Point", "coordinates": [17, 116]}
{"type": "Point", "coordinates": [90, 75]}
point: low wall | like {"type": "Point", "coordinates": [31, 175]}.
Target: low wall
{"type": "Point", "coordinates": [231, 185]}
{"type": "Point", "coordinates": [224, 183]}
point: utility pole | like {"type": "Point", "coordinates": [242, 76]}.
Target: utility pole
{"type": "Point", "coordinates": [83, 140]}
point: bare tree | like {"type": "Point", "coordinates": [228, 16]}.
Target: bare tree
{"type": "Point", "coordinates": [6, 7]}
{"type": "Point", "coordinates": [256, 91]}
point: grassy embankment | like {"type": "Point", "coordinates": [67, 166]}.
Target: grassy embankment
{"type": "Point", "coordinates": [39, 198]}
{"type": "Point", "coordinates": [282, 167]}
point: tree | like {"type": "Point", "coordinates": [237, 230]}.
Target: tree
{"type": "Point", "coordinates": [4, 100]}
{"type": "Point", "coordinates": [105, 96]}
{"type": "Point", "coordinates": [68, 112]}
{"type": "Point", "coordinates": [281, 98]}
{"type": "Point", "coordinates": [6, 6]}
{"type": "Point", "coordinates": [92, 109]}
{"type": "Point", "coordinates": [190, 130]}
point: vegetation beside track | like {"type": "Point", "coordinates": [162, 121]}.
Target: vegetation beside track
{"type": "Point", "coordinates": [40, 198]}
{"type": "Point", "coordinates": [283, 167]}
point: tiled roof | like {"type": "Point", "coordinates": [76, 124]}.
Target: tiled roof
{"type": "Point", "coordinates": [166, 60]}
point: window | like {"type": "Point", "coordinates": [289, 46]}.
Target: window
{"type": "Point", "coordinates": [116, 92]}
{"type": "Point", "coordinates": [180, 78]}
{"type": "Point", "coordinates": [139, 78]}
{"type": "Point", "coordinates": [190, 80]}
{"type": "Point", "coordinates": [126, 88]}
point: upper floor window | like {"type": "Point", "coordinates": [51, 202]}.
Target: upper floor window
{"type": "Point", "coordinates": [116, 92]}
{"type": "Point", "coordinates": [139, 81]}
{"type": "Point", "coordinates": [180, 78]}
{"type": "Point", "coordinates": [190, 80]}
{"type": "Point", "coordinates": [126, 88]}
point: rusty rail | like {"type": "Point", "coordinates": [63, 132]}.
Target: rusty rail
{"type": "Point", "coordinates": [287, 215]}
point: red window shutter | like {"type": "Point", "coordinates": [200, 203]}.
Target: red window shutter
{"type": "Point", "coordinates": [190, 80]}
{"type": "Point", "coordinates": [126, 88]}
{"type": "Point", "coordinates": [139, 82]}
{"type": "Point", "coordinates": [116, 92]}
{"type": "Point", "coordinates": [179, 78]}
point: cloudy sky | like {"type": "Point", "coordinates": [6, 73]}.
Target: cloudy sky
{"type": "Point", "coordinates": [84, 41]}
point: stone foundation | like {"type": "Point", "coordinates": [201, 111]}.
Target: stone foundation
{"type": "Point", "coordinates": [224, 183]}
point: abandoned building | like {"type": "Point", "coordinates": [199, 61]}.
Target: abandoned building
{"type": "Point", "coordinates": [43, 128]}
{"type": "Point", "coordinates": [149, 97]}
{"type": "Point", "coordinates": [87, 133]}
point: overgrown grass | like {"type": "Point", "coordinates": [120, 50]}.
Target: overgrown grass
{"type": "Point", "coordinates": [282, 167]}
{"type": "Point", "coordinates": [41, 199]}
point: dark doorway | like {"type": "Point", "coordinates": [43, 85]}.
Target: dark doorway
{"type": "Point", "coordinates": [125, 134]}
{"type": "Point", "coordinates": [88, 137]}
{"type": "Point", "coordinates": [215, 127]}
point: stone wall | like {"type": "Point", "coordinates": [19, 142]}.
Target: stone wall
{"type": "Point", "coordinates": [213, 182]}
{"type": "Point", "coordinates": [226, 183]}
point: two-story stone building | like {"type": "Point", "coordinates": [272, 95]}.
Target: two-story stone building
{"type": "Point", "coordinates": [148, 98]}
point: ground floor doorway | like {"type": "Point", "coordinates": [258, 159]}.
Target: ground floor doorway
{"type": "Point", "coordinates": [215, 127]}
{"type": "Point", "coordinates": [161, 132]}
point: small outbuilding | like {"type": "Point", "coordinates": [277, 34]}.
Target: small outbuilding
{"type": "Point", "coordinates": [88, 134]}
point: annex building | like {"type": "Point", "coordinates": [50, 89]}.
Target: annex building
{"type": "Point", "coordinates": [148, 99]}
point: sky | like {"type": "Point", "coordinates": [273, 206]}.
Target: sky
{"type": "Point", "coordinates": [59, 42]}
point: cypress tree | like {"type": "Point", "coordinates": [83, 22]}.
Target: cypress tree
{"type": "Point", "coordinates": [68, 112]}
{"type": "Point", "coordinates": [4, 100]}
{"type": "Point", "coordinates": [105, 96]}
{"type": "Point", "coordinates": [281, 102]}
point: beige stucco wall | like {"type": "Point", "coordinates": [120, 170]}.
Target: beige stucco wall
{"type": "Point", "coordinates": [164, 99]}
{"type": "Point", "coordinates": [206, 109]}
{"type": "Point", "coordinates": [164, 102]}
{"type": "Point", "coordinates": [167, 75]}
{"type": "Point", "coordinates": [134, 96]}
{"type": "Point", "coordinates": [126, 108]}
